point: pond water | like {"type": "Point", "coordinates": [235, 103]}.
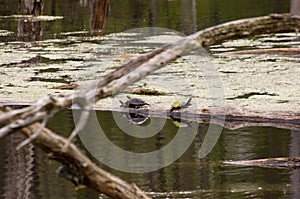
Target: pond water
{"type": "Point", "coordinates": [38, 57]}
{"type": "Point", "coordinates": [29, 173]}
{"type": "Point", "coordinates": [66, 45]}
{"type": "Point", "coordinates": [185, 16]}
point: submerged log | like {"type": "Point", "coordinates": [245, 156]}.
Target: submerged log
{"type": "Point", "coordinates": [271, 51]}
{"type": "Point", "coordinates": [291, 162]}
{"type": "Point", "coordinates": [236, 117]}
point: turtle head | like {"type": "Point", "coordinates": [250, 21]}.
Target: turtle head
{"type": "Point", "coordinates": [176, 104]}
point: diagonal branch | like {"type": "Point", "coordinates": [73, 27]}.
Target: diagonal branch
{"type": "Point", "coordinates": [91, 175]}
{"type": "Point", "coordinates": [117, 80]}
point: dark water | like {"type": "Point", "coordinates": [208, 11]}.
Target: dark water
{"type": "Point", "coordinates": [185, 16]}
{"type": "Point", "coordinates": [30, 174]}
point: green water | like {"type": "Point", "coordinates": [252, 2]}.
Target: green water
{"type": "Point", "coordinates": [185, 16]}
{"type": "Point", "coordinates": [187, 177]}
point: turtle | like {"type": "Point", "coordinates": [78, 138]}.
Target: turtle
{"type": "Point", "coordinates": [133, 103]}
{"type": "Point", "coordinates": [178, 105]}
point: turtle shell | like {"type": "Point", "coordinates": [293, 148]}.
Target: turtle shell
{"type": "Point", "coordinates": [133, 103]}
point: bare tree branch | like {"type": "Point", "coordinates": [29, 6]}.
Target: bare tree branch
{"type": "Point", "coordinates": [33, 136]}
{"type": "Point", "coordinates": [143, 65]}
{"type": "Point", "coordinates": [91, 175]}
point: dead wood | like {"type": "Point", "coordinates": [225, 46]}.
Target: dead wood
{"type": "Point", "coordinates": [138, 68]}
{"type": "Point", "coordinates": [291, 162]}
{"type": "Point", "coordinates": [88, 173]}
{"type": "Point", "coordinates": [236, 117]}
{"type": "Point", "coordinates": [111, 84]}
{"type": "Point", "coordinates": [271, 51]}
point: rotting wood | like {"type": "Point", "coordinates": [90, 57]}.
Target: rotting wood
{"type": "Point", "coordinates": [118, 80]}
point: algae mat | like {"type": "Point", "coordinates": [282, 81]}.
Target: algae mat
{"type": "Point", "coordinates": [258, 81]}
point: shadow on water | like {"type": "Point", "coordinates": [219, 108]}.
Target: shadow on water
{"type": "Point", "coordinates": [34, 175]}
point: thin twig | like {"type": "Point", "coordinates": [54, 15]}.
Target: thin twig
{"type": "Point", "coordinates": [33, 136]}
{"type": "Point", "coordinates": [13, 113]}
{"type": "Point", "coordinates": [84, 116]}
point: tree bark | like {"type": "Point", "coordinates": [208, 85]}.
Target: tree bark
{"type": "Point", "coordinates": [30, 30]}
{"type": "Point", "coordinates": [88, 173]}
{"type": "Point", "coordinates": [99, 15]}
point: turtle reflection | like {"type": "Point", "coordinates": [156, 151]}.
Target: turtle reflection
{"type": "Point", "coordinates": [179, 122]}
{"type": "Point", "coordinates": [132, 115]}
{"type": "Point", "coordinates": [135, 118]}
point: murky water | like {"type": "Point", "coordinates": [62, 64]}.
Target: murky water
{"type": "Point", "coordinates": [185, 16]}
{"type": "Point", "coordinates": [30, 173]}
{"type": "Point", "coordinates": [37, 57]}
{"type": "Point", "coordinates": [67, 52]}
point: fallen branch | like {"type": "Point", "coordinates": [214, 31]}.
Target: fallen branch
{"type": "Point", "coordinates": [118, 80]}
{"type": "Point", "coordinates": [87, 172]}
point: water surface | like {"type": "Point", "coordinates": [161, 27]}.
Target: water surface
{"type": "Point", "coordinates": [67, 44]}
{"type": "Point", "coordinates": [189, 177]}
